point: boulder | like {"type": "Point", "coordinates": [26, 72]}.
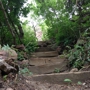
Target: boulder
{"type": "Point", "coordinates": [12, 54]}
{"type": "Point", "coordinates": [74, 70]}
{"type": "Point", "coordinates": [25, 62]}
{"type": "Point", "coordinates": [9, 54]}
{"type": "Point", "coordinates": [3, 54]}
{"type": "Point", "coordinates": [6, 61]}
{"type": "Point", "coordinates": [20, 47]}
{"type": "Point", "coordinates": [6, 68]}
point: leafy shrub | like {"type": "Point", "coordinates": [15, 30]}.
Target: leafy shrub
{"type": "Point", "coordinates": [29, 40]}
{"type": "Point", "coordinates": [20, 56]}
{"type": "Point", "coordinates": [31, 47]}
{"type": "Point", "coordinates": [81, 52]}
{"type": "Point", "coordinates": [25, 71]}
{"type": "Point", "coordinates": [6, 47]}
{"type": "Point", "coordinates": [64, 32]}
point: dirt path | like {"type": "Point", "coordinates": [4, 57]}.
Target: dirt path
{"type": "Point", "coordinates": [26, 83]}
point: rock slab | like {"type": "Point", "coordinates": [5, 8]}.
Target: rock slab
{"type": "Point", "coordinates": [59, 78]}
{"type": "Point", "coordinates": [45, 54]}
{"type": "Point", "coordinates": [49, 68]}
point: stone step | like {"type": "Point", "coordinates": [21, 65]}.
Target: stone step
{"type": "Point", "coordinates": [49, 68]}
{"type": "Point", "coordinates": [45, 61]}
{"type": "Point", "coordinates": [45, 54]}
{"type": "Point", "coordinates": [43, 49]}
{"type": "Point", "coordinates": [58, 78]}
{"type": "Point", "coordinates": [43, 43]}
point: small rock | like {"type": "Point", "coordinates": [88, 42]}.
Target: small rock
{"type": "Point", "coordinates": [25, 62]}
{"type": "Point", "coordinates": [20, 47]}
{"type": "Point", "coordinates": [9, 89]}
{"type": "Point", "coordinates": [84, 84]}
{"type": "Point", "coordinates": [74, 70]}
{"type": "Point", "coordinates": [12, 54]}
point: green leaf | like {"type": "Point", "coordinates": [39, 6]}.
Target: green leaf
{"type": "Point", "coordinates": [67, 80]}
{"type": "Point", "coordinates": [5, 77]}
{"type": "Point", "coordinates": [79, 83]}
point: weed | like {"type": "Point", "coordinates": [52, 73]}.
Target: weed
{"type": "Point", "coordinates": [81, 53]}
{"type": "Point", "coordinates": [68, 81]}
{"type": "Point", "coordinates": [25, 71]}
{"type": "Point", "coordinates": [79, 83]}
{"type": "Point", "coordinates": [57, 70]}
{"type": "Point", "coordinates": [5, 77]}
{"type": "Point", "coordinates": [20, 56]}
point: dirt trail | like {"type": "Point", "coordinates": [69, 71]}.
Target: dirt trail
{"type": "Point", "coordinates": [26, 83]}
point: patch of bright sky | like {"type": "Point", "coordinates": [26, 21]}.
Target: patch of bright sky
{"type": "Point", "coordinates": [31, 21]}
{"type": "Point", "coordinates": [29, 2]}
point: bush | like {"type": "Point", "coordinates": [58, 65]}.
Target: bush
{"type": "Point", "coordinates": [29, 40]}
{"type": "Point", "coordinates": [44, 28]}
{"type": "Point", "coordinates": [64, 32]}
{"type": "Point", "coordinates": [81, 52]}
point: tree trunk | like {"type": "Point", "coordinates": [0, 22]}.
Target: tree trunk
{"type": "Point", "coordinates": [8, 24]}
{"type": "Point", "coordinates": [21, 33]}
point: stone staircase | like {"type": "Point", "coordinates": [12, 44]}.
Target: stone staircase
{"type": "Point", "coordinates": [45, 61]}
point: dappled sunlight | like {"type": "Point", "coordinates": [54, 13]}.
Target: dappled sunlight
{"type": "Point", "coordinates": [39, 34]}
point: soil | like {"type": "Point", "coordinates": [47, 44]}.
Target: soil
{"type": "Point", "coordinates": [24, 82]}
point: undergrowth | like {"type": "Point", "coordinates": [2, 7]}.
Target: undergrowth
{"type": "Point", "coordinates": [80, 55]}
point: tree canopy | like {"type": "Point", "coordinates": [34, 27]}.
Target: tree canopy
{"type": "Point", "coordinates": [10, 26]}
{"type": "Point", "coordinates": [63, 21]}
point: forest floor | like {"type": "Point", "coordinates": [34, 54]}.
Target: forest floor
{"type": "Point", "coordinates": [26, 83]}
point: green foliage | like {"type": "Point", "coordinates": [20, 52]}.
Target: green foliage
{"type": "Point", "coordinates": [68, 81]}
{"type": "Point", "coordinates": [66, 32]}
{"type": "Point", "coordinates": [81, 52]}
{"type": "Point", "coordinates": [5, 77]}
{"type": "Point", "coordinates": [14, 9]}
{"type": "Point", "coordinates": [25, 71]}
{"type": "Point", "coordinates": [60, 28]}
{"type": "Point", "coordinates": [79, 83]}
{"type": "Point", "coordinates": [20, 56]}
{"type": "Point", "coordinates": [31, 47]}
{"type": "Point", "coordinates": [57, 70]}
{"type": "Point", "coordinates": [6, 47]}
{"type": "Point", "coordinates": [29, 39]}
{"type": "Point", "coordinates": [5, 36]}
